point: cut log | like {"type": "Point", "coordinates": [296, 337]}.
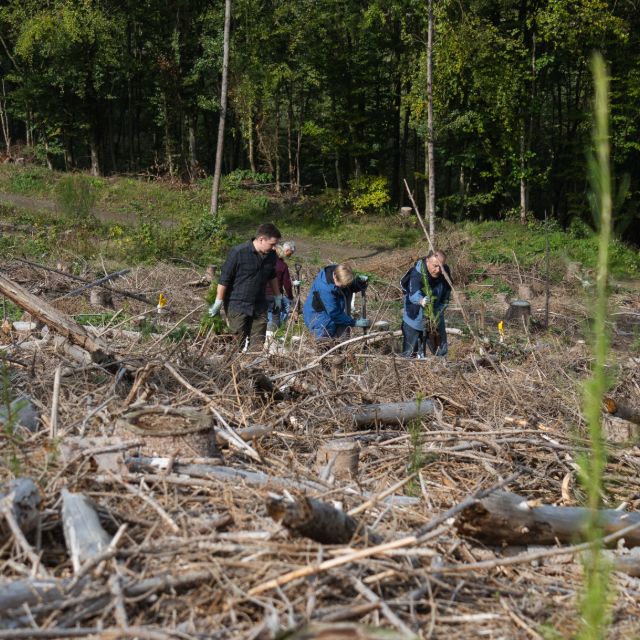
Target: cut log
{"type": "Point", "coordinates": [24, 505]}
{"type": "Point", "coordinates": [346, 454]}
{"type": "Point", "coordinates": [506, 517]}
{"type": "Point", "coordinates": [392, 413]}
{"type": "Point", "coordinates": [519, 310]}
{"type": "Point", "coordinates": [83, 533]}
{"type": "Point", "coordinates": [624, 412]}
{"type": "Point", "coordinates": [62, 345]}
{"type": "Point", "coordinates": [318, 520]}
{"type": "Point", "coordinates": [247, 434]}
{"type": "Point", "coordinates": [53, 319]}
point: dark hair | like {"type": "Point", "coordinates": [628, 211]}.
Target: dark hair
{"type": "Point", "coordinates": [439, 252]}
{"type": "Point", "coordinates": [268, 230]}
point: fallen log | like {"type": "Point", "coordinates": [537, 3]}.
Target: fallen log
{"type": "Point", "coordinates": [506, 517]}
{"type": "Point", "coordinates": [318, 520]}
{"type": "Point", "coordinates": [622, 411]}
{"type": "Point", "coordinates": [83, 533]}
{"type": "Point", "coordinates": [62, 345]}
{"type": "Point", "coordinates": [24, 504]}
{"type": "Point", "coordinates": [53, 319]}
{"type": "Point", "coordinates": [395, 412]}
{"type": "Point", "coordinates": [122, 292]}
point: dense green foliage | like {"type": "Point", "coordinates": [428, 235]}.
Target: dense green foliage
{"type": "Point", "coordinates": [332, 94]}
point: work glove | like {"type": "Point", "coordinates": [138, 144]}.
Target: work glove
{"type": "Point", "coordinates": [297, 283]}
{"type": "Point", "coordinates": [424, 302]}
{"type": "Point", "coordinates": [277, 303]}
{"type": "Point", "coordinates": [363, 282]}
{"type": "Point", "coordinates": [363, 323]}
{"type": "Point", "coordinates": [214, 309]}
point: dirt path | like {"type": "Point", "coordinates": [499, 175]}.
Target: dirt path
{"type": "Point", "coordinates": [307, 248]}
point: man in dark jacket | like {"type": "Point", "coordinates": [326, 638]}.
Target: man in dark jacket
{"type": "Point", "coordinates": [327, 310]}
{"type": "Point", "coordinates": [423, 323]}
{"type": "Point", "coordinates": [242, 284]}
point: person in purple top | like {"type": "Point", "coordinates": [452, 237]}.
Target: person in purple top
{"type": "Point", "coordinates": [284, 284]}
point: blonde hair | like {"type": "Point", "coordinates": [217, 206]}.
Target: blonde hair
{"type": "Point", "coordinates": [280, 251]}
{"type": "Point", "coordinates": [344, 275]}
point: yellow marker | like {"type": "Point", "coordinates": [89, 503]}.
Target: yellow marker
{"type": "Point", "coordinates": [162, 301]}
{"type": "Point", "coordinates": [501, 331]}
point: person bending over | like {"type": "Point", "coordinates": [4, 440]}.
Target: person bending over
{"type": "Point", "coordinates": [327, 310]}
{"type": "Point", "coordinates": [242, 283]}
{"type": "Point", "coordinates": [284, 284]}
{"type": "Point", "coordinates": [423, 324]}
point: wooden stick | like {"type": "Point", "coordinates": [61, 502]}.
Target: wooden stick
{"type": "Point", "coordinates": [53, 433]}
{"type": "Point", "coordinates": [337, 562]}
{"type": "Point", "coordinates": [95, 283]}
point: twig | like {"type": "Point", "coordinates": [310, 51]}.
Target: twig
{"type": "Point", "coordinates": [53, 432]}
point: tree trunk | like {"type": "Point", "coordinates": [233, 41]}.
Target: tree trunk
{"type": "Point", "coordinates": [167, 137]}
{"type": "Point", "coordinates": [45, 141]}
{"type": "Point", "coordinates": [93, 146]}
{"type": "Point", "coordinates": [338, 176]}
{"type": "Point", "coordinates": [523, 183]}
{"type": "Point", "coordinates": [112, 148]}
{"type": "Point", "coordinates": [192, 123]}
{"type": "Point", "coordinates": [42, 310]}
{"type": "Point", "coordinates": [461, 189]}
{"type": "Point", "coordinates": [403, 152]}
{"type": "Point", "coordinates": [432, 179]}
{"type": "Point", "coordinates": [132, 161]}
{"type": "Point", "coordinates": [300, 122]}
{"type": "Point", "coordinates": [223, 109]}
{"type": "Point", "coordinates": [252, 160]}
{"type": "Point", "coordinates": [289, 124]}
{"type": "Point", "coordinates": [277, 149]}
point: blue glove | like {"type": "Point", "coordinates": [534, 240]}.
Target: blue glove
{"type": "Point", "coordinates": [277, 303]}
{"type": "Point", "coordinates": [363, 323]}
{"type": "Point", "coordinates": [363, 282]}
{"type": "Point", "coordinates": [214, 309]}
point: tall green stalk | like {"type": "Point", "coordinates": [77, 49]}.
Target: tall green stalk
{"type": "Point", "coordinates": [595, 600]}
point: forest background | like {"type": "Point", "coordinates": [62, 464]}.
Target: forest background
{"type": "Point", "coordinates": [332, 94]}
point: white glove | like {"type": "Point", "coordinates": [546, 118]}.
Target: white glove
{"type": "Point", "coordinates": [277, 303]}
{"type": "Point", "coordinates": [297, 283]}
{"type": "Point", "coordinates": [214, 309]}
{"type": "Point", "coordinates": [424, 302]}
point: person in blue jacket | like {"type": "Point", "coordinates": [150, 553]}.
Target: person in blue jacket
{"type": "Point", "coordinates": [423, 323]}
{"type": "Point", "coordinates": [327, 310]}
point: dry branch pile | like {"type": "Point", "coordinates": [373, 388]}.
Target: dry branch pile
{"type": "Point", "coordinates": [224, 512]}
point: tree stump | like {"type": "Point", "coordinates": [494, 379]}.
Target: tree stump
{"type": "Point", "coordinates": [519, 309]}
{"type": "Point", "coordinates": [574, 270]}
{"type": "Point", "coordinates": [525, 292]}
{"type": "Point", "coordinates": [503, 298]}
{"type": "Point", "coordinates": [405, 212]}
{"type": "Point", "coordinates": [347, 453]}
{"type": "Point", "coordinates": [211, 272]}
{"type": "Point", "coordinates": [101, 298]}
{"type": "Point", "coordinates": [65, 267]}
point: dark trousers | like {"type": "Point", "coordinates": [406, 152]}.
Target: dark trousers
{"type": "Point", "coordinates": [412, 342]}
{"type": "Point", "coordinates": [245, 326]}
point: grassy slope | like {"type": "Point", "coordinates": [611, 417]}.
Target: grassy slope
{"type": "Point", "coordinates": [243, 209]}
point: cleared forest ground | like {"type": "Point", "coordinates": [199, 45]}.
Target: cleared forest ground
{"type": "Point", "coordinates": [200, 546]}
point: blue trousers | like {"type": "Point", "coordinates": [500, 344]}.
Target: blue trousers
{"type": "Point", "coordinates": [276, 319]}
